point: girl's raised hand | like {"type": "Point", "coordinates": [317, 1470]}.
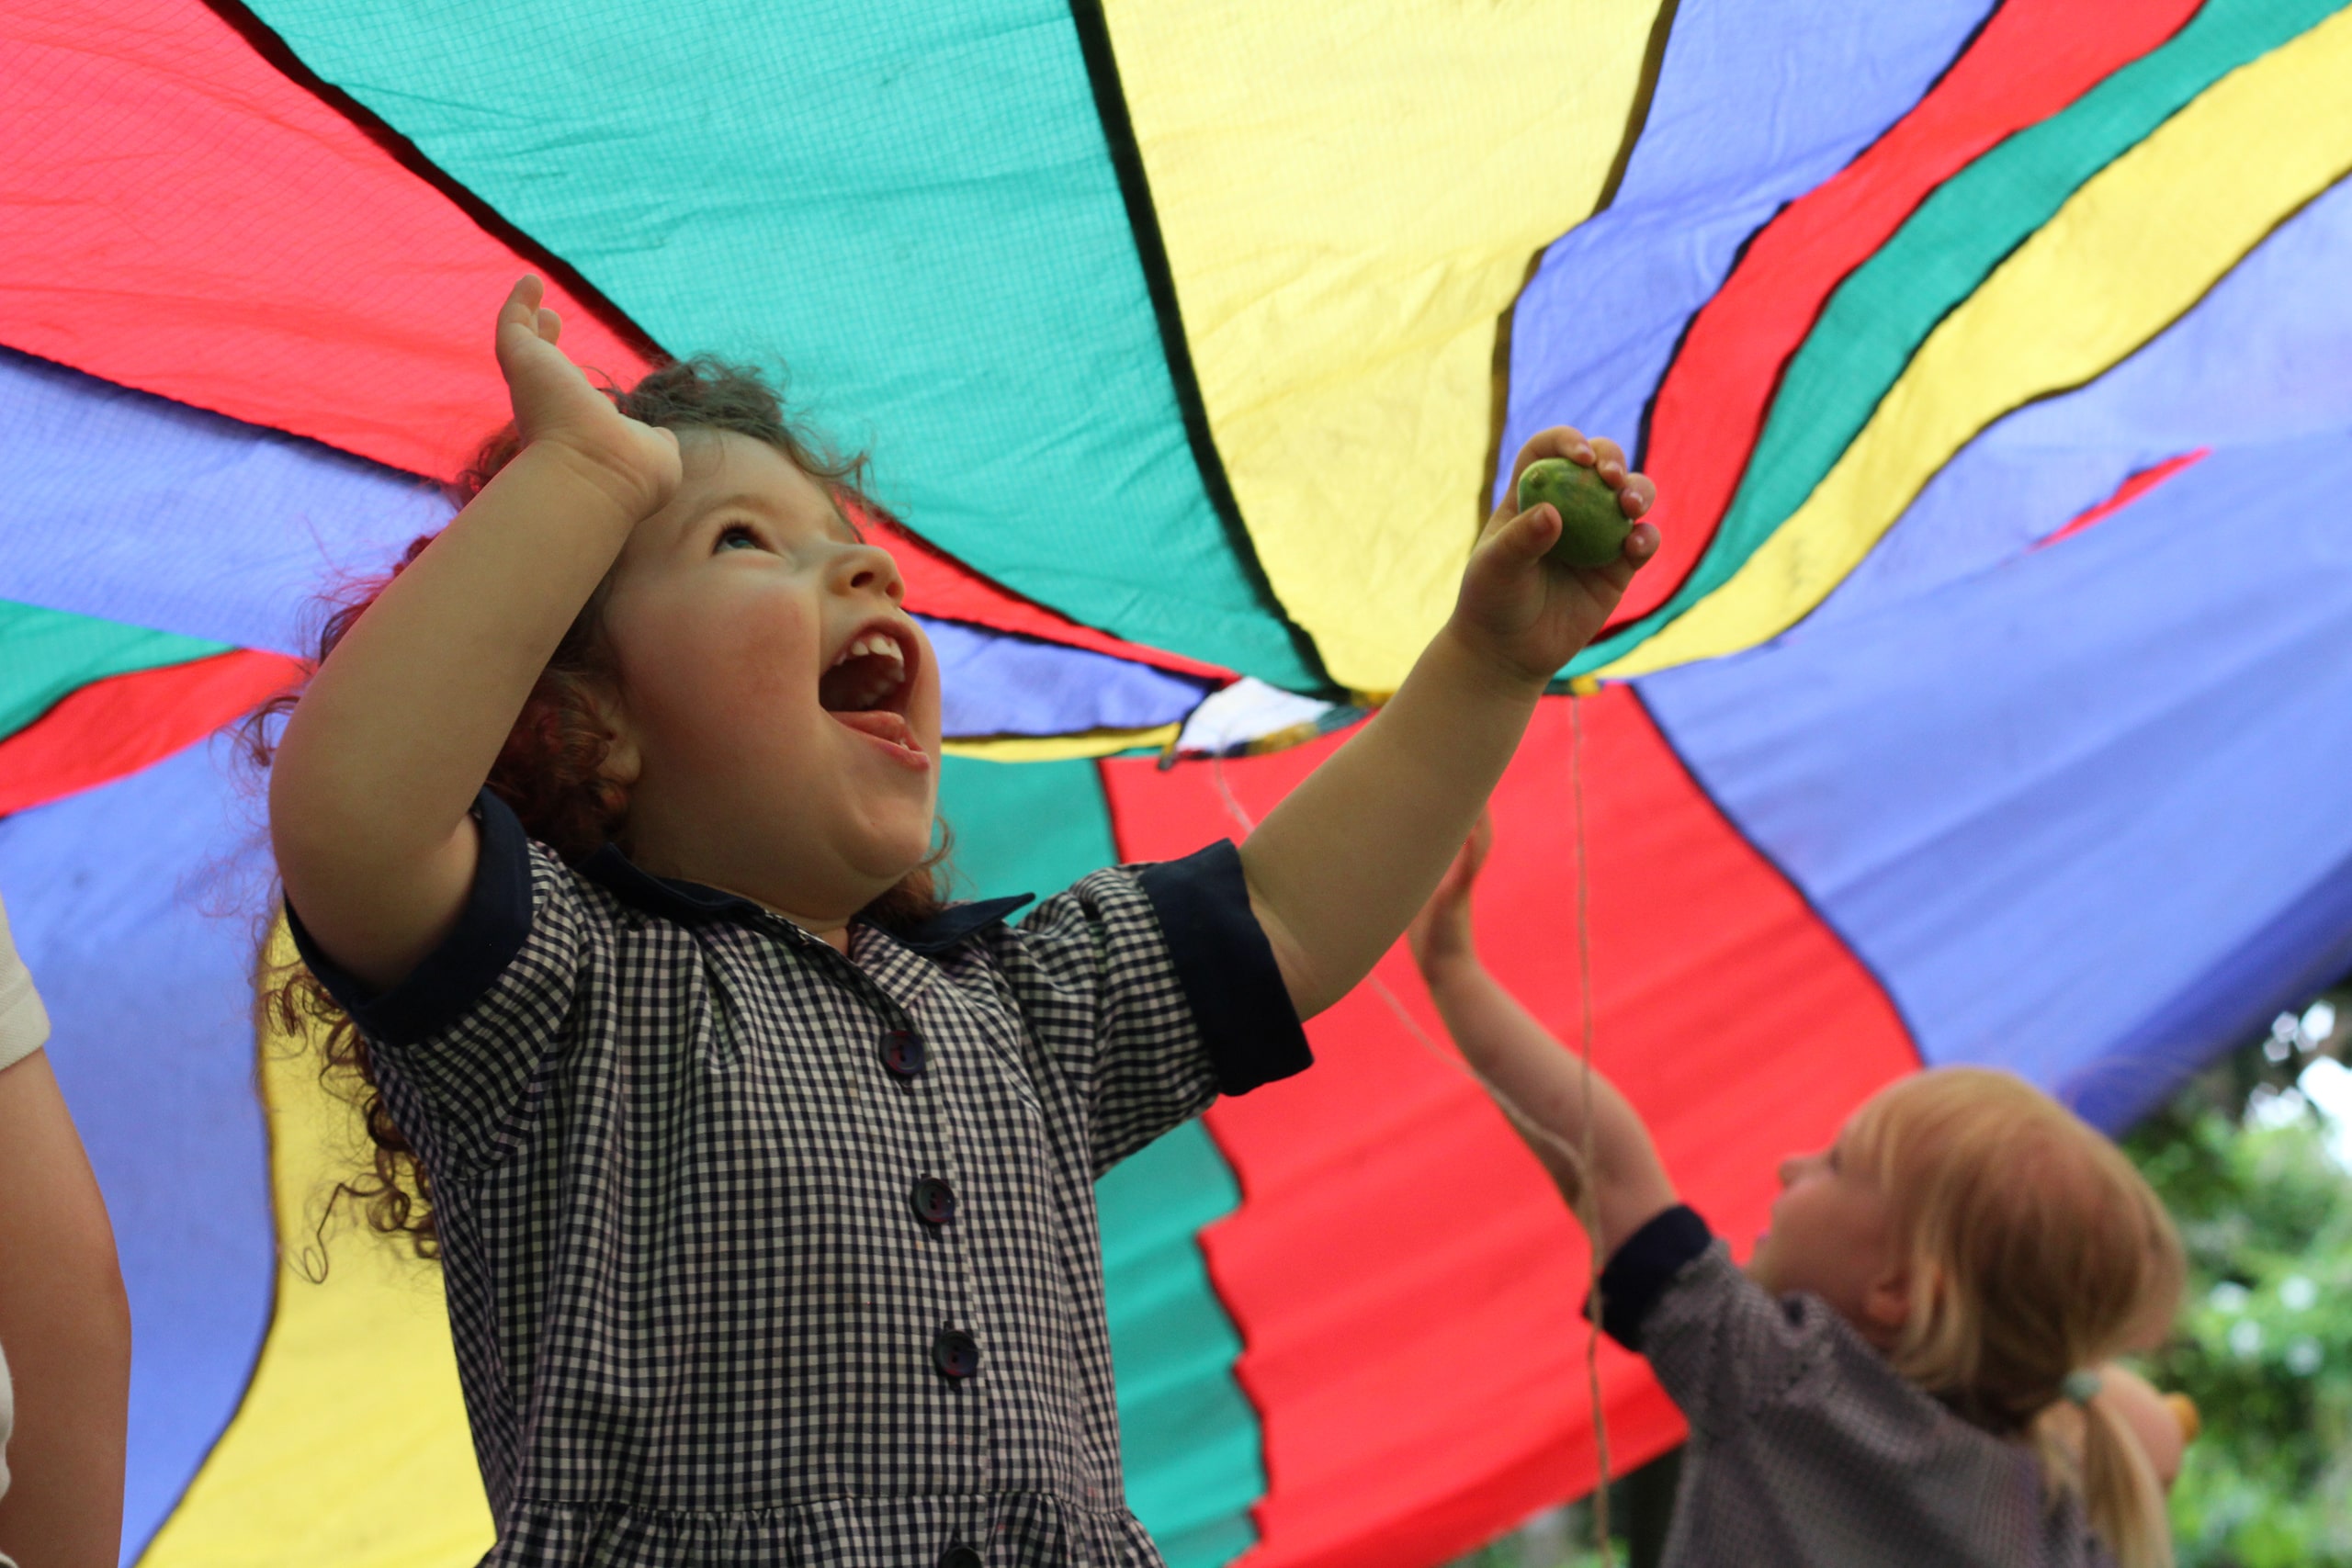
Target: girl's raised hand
{"type": "Point", "coordinates": [1442, 931]}
{"type": "Point", "coordinates": [637, 464]}
{"type": "Point", "coordinates": [1533, 615]}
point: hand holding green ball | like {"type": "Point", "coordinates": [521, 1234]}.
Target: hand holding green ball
{"type": "Point", "coordinates": [1592, 525]}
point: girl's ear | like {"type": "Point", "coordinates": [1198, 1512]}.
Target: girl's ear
{"type": "Point", "coordinates": [623, 761]}
{"type": "Point", "coordinates": [1886, 1301]}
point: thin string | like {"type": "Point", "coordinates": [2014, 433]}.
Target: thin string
{"type": "Point", "coordinates": [1580, 1157]}
{"type": "Point", "coordinates": [1451, 1060]}
{"type": "Point", "coordinates": [1588, 1199]}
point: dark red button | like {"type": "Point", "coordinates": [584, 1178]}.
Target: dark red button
{"type": "Point", "coordinates": [960, 1556]}
{"type": "Point", "coordinates": [903, 1054]}
{"type": "Point", "coordinates": [955, 1353]}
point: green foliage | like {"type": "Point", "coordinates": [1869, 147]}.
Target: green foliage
{"type": "Point", "coordinates": [1557, 1538]}
{"type": "Point", "coordinates": [2264, 1346]}
{"type": "Point", "coordinates": [1641, 1506]}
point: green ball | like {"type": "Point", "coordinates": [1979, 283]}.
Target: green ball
{"type": "Point", "coordinates": [1592, 526]}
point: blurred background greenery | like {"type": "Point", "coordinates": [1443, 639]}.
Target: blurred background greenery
{"type": "Point", "coordinates": [2254, 1158]}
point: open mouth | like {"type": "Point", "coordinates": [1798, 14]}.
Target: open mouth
{"type": "Point", "coordinates": [869, 683]}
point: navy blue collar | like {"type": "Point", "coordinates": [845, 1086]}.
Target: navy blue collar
{"type": "Point", "coordinates": [692, 901]}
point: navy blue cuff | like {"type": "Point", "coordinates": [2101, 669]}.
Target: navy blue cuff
{"type": "Point", "coordinates": [1227, 967]}
{"type": "Point", "coordinates": [490, 932]}
{"type": "Point", "coordinates": [1644, 1265]}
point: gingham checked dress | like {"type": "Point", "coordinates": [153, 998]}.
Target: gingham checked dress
{"type": "Point", "coordinates": [1807, 1449]}
{"type": "Point", "coordinates": [761, 1255]}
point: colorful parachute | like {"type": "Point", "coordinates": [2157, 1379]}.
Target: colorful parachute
{"type": "Point", "coordinates": [1989, 702]}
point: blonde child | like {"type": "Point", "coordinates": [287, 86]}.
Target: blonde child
{"type": "Point", "coordinates": [762, 1178]}
{"type": "Point", "coordinates": [1911, 1369]}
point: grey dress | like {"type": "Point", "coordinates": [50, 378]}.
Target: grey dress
{"type": "Point", "coordinates": [1806, 1448]}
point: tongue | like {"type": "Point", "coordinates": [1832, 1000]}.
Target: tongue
{"type": "Point", "coordinates": [881, 724]}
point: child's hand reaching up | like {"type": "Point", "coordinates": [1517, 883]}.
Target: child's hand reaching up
{"type": "Point", "coordinates": [1533, 614]}
{"type": "Point", "coordinates": [1337, 870]}
{"type": "Point", "coordinates": [635, 464]}
{"type": "Point", "coordinates": [1553, 1103]}
{"type": "Point", "coordinates": [371, 793]}
{"type": "Point", "coordinates": [1440, 935]}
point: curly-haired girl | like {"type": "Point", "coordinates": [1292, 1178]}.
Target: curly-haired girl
{"type": "Point", "coordinates": [761, 1178]}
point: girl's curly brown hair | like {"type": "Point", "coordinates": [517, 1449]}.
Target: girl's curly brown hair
{"type": "Point", "coordinates": [551, 768]}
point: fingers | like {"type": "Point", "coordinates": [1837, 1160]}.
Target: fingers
{"type": "Point", "coordinates": [519, 325]}
{"type": "Point", "coordinates": [1472, 858]}
{"type": "Point", "coordinates": [1528, 535]}
{"type": "Point", "coordinates": [1560, 441]}
{"type": "Point", "coordinates": [521, 306]}
{"type": "Point", "coordinates": [1608, 460]}
{"type": "Point", "coordinates": [524, 307]}
{"type": "Point", "coordinates": [1635, 492]}
{"type": "Point", "coordinates": [1525, 537]}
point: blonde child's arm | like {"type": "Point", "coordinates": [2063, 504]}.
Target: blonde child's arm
{"type": "Point", "coordinates": [66, 1330]}
{"type": "Point", "coordinates": [1539, 1083]}
{"type": "Point", "coordinates": [1339, 867]}
{"type": "Point", "coordinates": [380, 763]}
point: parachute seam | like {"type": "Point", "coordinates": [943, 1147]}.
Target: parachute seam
{"type": "Point", "coordinates": [266, 41]}
{"type": "Point", "coordinates": [1159, 282]}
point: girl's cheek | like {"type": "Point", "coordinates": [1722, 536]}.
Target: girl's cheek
{"type": "Point", "coordinates": [762, 647]}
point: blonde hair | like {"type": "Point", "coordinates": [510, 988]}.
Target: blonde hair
{"type": "Point", "coordinates": [2034, 1250]}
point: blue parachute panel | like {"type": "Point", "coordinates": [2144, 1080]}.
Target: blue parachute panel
{"type": "Point", "coordinates": [2063, 807]}
{"type": "Point", "coordinates": [138, 908]}
{"type": "Point", "coordinates": [1597, 325]}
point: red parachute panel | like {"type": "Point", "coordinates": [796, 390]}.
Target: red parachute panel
{"type": "Point", "coordinates": [119, 726]}
{"type": "Point", "coordinates": [1405, 1278]}
{"type": "Point", "coordinates": [181, 218]}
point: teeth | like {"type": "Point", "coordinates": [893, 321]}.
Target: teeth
{"type": "Point", "coordinates": [879, 643]}
{"type": "Point", "coordinates": [879, 679]}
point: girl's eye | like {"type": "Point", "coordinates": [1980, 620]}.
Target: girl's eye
{"type": "Point", "coordinates": [736, 536]}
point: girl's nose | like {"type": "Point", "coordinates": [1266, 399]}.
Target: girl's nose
{"type": "Point", "coordinates": [869, 568]}
{"type": "Point", "coordinates": [1791, 1167]}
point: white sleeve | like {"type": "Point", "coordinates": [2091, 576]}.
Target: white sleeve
{"type": "Point", "coordinates": [24, 1022]}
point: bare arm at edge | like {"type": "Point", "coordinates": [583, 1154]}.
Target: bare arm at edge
{"type": "Point", "coordinates": [66, 1328]}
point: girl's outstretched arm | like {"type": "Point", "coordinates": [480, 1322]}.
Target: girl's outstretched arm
{"type": "Point", "coordinates": [371, 792]}
{"type": "Point", "coordinates": [1337, 868]}
{"type": "Point", "coordinates": [1539, 1083]}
